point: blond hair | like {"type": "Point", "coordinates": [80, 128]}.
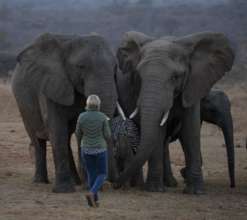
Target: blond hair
{"type": "Point", "coordinates": [93, 102]}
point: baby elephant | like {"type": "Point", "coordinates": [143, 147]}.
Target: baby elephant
{"type": "Point", "coordinates": [126, 141]}
{"type": "Point", "coordinates": [215, 109]}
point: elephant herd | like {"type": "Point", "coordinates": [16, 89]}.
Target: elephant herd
{"type": "Point", "coordinates": [161, 85]}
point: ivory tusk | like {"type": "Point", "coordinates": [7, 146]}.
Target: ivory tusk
{"type": "Point", "coordinates": [133, 114]}
{"type": "Point", "coordinates": [120, 111]}
{"type": "Point", "coordinates": [164, 119]}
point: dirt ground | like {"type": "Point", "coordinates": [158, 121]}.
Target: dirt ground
{"type": "Point", "coordinates": [21, 199]}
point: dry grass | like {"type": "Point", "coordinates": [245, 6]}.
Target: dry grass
{"type": "Point", "coordinates": [22, 200]}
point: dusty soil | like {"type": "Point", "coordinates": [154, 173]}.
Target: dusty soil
{"type": "Point", "coordinates": [21, 199]}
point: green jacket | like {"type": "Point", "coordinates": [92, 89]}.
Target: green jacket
{"type": "Point", "coordinates": [92, 129]}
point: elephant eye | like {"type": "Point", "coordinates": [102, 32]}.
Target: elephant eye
{"type": "Point", "coordinates": [175, 77]}
{"type": "Point", "coordinates": [81, 66]}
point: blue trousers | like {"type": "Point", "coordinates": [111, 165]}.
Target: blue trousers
{"type": "Point", "coordinates": [96, 167]}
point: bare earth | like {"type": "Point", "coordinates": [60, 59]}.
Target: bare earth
{"type": "Point", "coordinates": [22, 200]}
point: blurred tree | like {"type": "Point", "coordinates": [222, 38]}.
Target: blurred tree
{"type": "Point", "coordinates": [4, 42]}
{"type": "Point", "coordinates": [120, 3]}
{"type": "Point", "coordinates": [148, 3]}
{"type": "Point", "coordinates": [5, 11]}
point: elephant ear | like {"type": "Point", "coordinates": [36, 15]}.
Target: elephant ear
{"type": "Point", "coordinates": [47, 56]}
{"type": "Point", "coordinates": [210, 57]}
{"type": "Point", "coordinates": [128, 53]}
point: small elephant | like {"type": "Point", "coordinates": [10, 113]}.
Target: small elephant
{"type": "Point", "coordinates": [215, 109]}
{"type": "Point", "coordinates": [171, 76]}
{"type": "Point", "coordinates": [126, 139]}
{"type": "Point", "coordinates": [52, 79]}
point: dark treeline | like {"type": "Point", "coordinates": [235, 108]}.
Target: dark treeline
{"type": "Point", "coordinates": [21, 21]}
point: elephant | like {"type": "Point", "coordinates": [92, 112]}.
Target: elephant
{"type": "Point", "coordinates": [171, 76]}
{"type": "Point", "coordinates": [53, 77]}
{"type": "Point", "coordinates": [126, 140]}
{"type": "Point", "coordinates": [215, 109]}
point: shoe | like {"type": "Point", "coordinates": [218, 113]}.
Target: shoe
{"type": "Point", "coordinates": [90, 200]}
{"type": "Point", "coordinates": [97, 204]}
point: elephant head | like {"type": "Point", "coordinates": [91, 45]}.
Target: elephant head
{"type": "Point", "coordinates": [170, 67]}
{"type": "Point", "coordinates": [73, 65]}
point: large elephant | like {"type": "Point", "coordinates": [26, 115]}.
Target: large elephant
{"type": "Point", "coordinates": [51, 82]}
{"type": "Point", "coordinates": [171, 76]}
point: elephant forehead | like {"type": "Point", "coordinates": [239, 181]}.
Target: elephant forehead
{"type": "Point", "coordinates": [163, 47]}
{"type": "Point", "coordinates": [165, 53]}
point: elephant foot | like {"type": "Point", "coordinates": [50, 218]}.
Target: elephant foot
{"type": "Point", "coordinates": [154, 187]}
{"type": "Point", "coordinates": [40, 179]}
{"type": "Point", "coordinates": [64, 188]}
{"type": "Point", "coordinates": [170, 181]}
{"type": "Point", "coordinates": [194, 187]}
{"type": "Point", "coordinates": [193, 190]}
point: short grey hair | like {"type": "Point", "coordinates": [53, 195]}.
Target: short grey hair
{"type": "Point", "coordinates": [93, 102]}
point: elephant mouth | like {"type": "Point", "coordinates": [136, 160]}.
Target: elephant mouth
{"type": "Point", "coordinates": [135, 112]}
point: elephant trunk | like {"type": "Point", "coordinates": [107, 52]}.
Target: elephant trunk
{"type": "Point", "coordinates": [152, 135]}
{"type": "Point", "coordinates": [108, 98]}
{"type": "Point", "coordinates": [106, 91]}
{"type": "Point", "coordinates": [227, 128]}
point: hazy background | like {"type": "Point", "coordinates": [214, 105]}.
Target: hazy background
{"type": "Point", "coordinates": [22, 20]}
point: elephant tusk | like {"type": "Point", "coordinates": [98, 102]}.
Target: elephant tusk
{"type": "Point", "coordinates": [133, 114]}
{"type": "Point", "coordinates": [120, 111]}
{"type": "Point", "coordinates": [164, 119]}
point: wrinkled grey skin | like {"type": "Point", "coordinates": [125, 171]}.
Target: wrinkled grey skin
{"type": "Point", "coordinates": [52, 79]}
{"type": "Point", "coordinates": [215, 109]}
{"type": "Point", "coordinates": [172, 74]}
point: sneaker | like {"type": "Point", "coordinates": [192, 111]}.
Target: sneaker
{"type": "Point", "coordinates": [97, 204]}
{"type": "Point", "coordinates": [90, 200]}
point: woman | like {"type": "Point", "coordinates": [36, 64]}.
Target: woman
{"type": "Point", "coordinates": [93, 132]}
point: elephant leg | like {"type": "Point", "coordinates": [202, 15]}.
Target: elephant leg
{"type": "Point", "coordinates": [73, 169]}
{"type": "Point", "coordinates": [169, 179]}
{"type": "Point", "coordinates": [184, 170]}
{"type": "Point", "coordinates": [40, 175]}
{"type": "Point", "coordinates": [154, 181]}
{"type": "Point", "coordinates": [137, 180]}
{"type": "Point", "coordinates": [190, 139]}
{"type": "Point", "coordinates": [59, 136]}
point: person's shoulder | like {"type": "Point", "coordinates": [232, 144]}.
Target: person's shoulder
{"type": "Point", "coordinates": [82, 115]}
{"type": "Point", "coordinates": [103, 116]}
